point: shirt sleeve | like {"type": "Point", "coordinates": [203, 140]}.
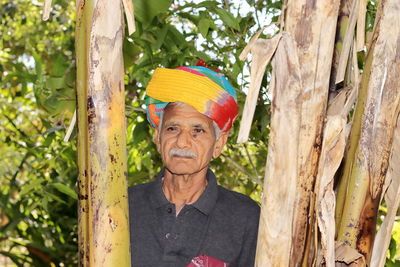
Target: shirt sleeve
{"type": "Point", "coordinates": [248, 252]}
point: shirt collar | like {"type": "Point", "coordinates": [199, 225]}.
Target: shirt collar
{"type": "Point", "coordinates": [207, 200]}
{"type": "Point", "coordinates": [155, 192]}
{"type": "Point", "coordinates": [205, 203]}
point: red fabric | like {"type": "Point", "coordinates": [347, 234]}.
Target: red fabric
{"type": "Point", "coordinates": [201, 63]}
{"type": "Point", "coordinates": [224, 113]}
{"type": "Point", "coordinates": [206, 261]}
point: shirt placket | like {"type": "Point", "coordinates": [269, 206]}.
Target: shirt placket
{"type": "Point", "coordinates": [172, 231]}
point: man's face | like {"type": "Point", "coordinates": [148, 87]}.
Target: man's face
{"type": "Point", "coordinates": [186, 140]}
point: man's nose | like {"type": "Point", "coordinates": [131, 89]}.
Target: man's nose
{"type": "Point", "coordinates": [183, 139]}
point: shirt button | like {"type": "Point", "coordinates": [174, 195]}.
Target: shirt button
{"type": "Point", "coordinates": [168, 235]}
{"type": "Point", "coordinates": [169, 210]}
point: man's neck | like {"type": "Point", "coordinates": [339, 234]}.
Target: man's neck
{"type": "Point", "coordinates": [184, 189]}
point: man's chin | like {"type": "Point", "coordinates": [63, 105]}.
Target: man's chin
{"type": "Point", "coordinates": [175, 171]}
{"type": "Point", "coordinates": [183, 170]}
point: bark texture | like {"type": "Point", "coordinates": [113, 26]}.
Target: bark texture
{"type": "Point", "coordinates": [103, 202]}
{"type": "Point", "coordinates": [379, 114]}
{"type": "Point", "coordinates": [275, 235]}
{"type": "Point", "coordinates": [313, 26]}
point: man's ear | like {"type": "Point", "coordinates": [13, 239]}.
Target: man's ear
{"type": "Point", "coordinates": [156, 139]}
{"type": "Point", "coordinates": [219, 144]}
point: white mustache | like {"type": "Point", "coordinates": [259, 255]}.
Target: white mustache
{"type": "Point", "coordinates": [182, 153]}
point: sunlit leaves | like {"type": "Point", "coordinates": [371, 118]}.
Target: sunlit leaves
{"type": "Point", "coordinates": [37, 55]}
{"type": "Point", "coordinates": [146, 10]}
{"type": "Point", "coordinates": [65, 190]}
{"type": "Point", "coordinates": [204, 26]}
{"type": "Point", "coordinates": [228, 18]}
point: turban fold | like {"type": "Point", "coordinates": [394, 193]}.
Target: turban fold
{"type": "Point", "coordinates": [207, 91]}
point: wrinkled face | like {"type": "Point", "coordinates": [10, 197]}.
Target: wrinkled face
{"type": "Point", "coordinates": [186, 140]}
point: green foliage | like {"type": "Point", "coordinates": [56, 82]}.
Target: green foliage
{"type": "Point", "coordinates": [38, 205]}
{"type": "Point", "coordinates": [146, 10]}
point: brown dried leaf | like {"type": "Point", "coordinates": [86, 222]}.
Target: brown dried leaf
{"type": "Point", "coordinates": [392, 198]}
{"type": "Point", "coordinates": [70, 127]}
{"type": "Point", "coordinates": [331, 157]}
{"type": "Point", "coordinates": [348, 255]}
{"type": "Point", "coordinates": [383, 100]}
{"type": "Point", "coordinates": [313, 25]}
{"type": "Point", "coordinates": [333, 146]}
{"type": "Point", "coordinates": [248, 47]}
{"type": "Point", "coordinates": [347, 42]}
{"type": "Point", "coordinates": [275, 232]}
{"type": "Point", "coordinates": [46, 10]}
{"type": "Point", "coordinates": [130, 15]}
{"type": "Point", "coordinates": [262, 51]}
{"type": "Point", "coordinates": [360, 35]}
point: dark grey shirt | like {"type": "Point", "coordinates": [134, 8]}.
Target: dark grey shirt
{"type": "Point", "coordinates": [221, 224]}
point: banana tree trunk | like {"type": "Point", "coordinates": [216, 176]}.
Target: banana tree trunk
{"type": "Point", "coordinates": [375, 120]}
{"type": "Point", "coordinates": [313, 26]}
{"type": "Point", "coordinates": [103, 204]}
{"type": "Point", "coordinates": [298, 187]}
{"type": "Point", "coordinates": [275, 235]}
{"type": "Point", "coordinates": [301, 67]}
{"type": "Point", "coordinates": [342, 30]}
{"type": "Point", "coordinates": [343, 21]}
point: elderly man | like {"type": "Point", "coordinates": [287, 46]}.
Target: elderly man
{"type": "Point", "coordinates": [184, 218]}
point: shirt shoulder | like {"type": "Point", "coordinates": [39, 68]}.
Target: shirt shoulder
{"type": "Point", "coordinates": [238, 203]}
{"type": "Point", "coordinates": [139, 189]}
{"type": "Point", "coordinates": [139, 197]}
{"type": "Point", "coordinates": [232, 232]}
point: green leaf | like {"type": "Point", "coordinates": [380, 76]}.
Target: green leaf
{"type": "Point", "coordinates": [62, 100]}
{"type": "Point", "coordinates": [131, 53]}
{"type": "Point", "coordinates": [208, 4]}
{"type": "Point", "coordinates": [228, 18]}
{"type": "Point", "coordinates": [45, 202]}
{"type": "Point", "coordinates": [202, 55]}
{"type": "Point", "coordinates": [146, 10]}
{"type": "Point", "coordinates": [161, 37]}
{"type": "Point", "coordinates": [59, 66]}
{"type": "Point", "coordinates": [55, 82]}
{"type": "Point", "coordinates": [204, 26]}
{"type": "Point", "coordinates": [146, 161]}
{"type": "Point", "coordinates": [54, 197]}
{"type": "Point", "coordinates": [70, 78]}
{"type": "Point", "coordinates": [178, 37]}
{"type": "Point", "coordinates": [48, 140]}
{"type": "Point", "coordinates": [34, 183]}
{"type": "Point", "coordinates": [65, 190]}
{"type": "Point", "coordinates": [38, 67]}
{"type": "Point", "coordinates": [140, 132]}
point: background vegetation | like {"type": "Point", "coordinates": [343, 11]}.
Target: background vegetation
{"type": "Point", "coordinates": [38, 225]}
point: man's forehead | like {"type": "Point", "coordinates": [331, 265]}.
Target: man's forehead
{"type": "Point", "coordinates": [179, 114]}
{"type": "Point", "coordinates": [178, 122]}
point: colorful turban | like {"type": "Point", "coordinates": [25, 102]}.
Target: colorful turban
{"type": "Point", "coordinates": [208, 92]}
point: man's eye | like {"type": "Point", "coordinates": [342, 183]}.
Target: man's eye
{"type": "Point", "coordinates": [199, 130]}
{"type": "Point", "coordinates": [171, 128]}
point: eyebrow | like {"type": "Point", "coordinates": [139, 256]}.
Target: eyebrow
{"type": "Point", "coordinates": [198, 125]}
{"type": "Point", "coordinates": [172, 123]}
{"type": "Point", "coordinates": [195, 125]}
